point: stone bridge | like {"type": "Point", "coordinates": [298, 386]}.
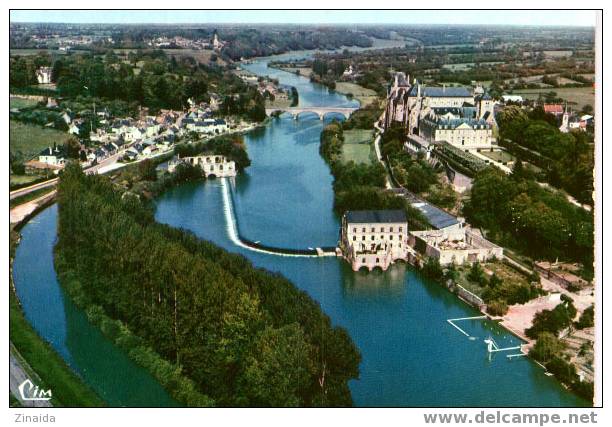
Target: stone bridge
{"type": "Point", "coordinates": [320, 111]}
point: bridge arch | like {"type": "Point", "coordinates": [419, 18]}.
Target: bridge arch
{"type": "Point", "coordinates": [326, 114]}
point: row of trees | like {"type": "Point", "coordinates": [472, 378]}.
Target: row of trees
{"type": "Point", "coordinates": [359, 186]}
{"type": "Point", "coordinates": [244, 336]}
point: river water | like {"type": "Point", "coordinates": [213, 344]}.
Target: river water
{"type": "Point", "coordinates": [411, 355]}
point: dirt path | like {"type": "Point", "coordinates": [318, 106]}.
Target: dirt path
{"type": "Point", "coordinates": [20, 212]}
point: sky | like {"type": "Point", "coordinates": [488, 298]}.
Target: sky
{"type": "Point", "coordinates": [470, 17]}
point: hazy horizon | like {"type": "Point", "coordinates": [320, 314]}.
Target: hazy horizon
{"type": "Point", "coordinates": [508, 18]}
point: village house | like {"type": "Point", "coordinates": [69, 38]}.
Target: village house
{"type": "Point", "coordinates": [52, 156]}
{"type": "Point", "coordinates": [374, 238]}
{"type": "Point", "coordinates": [512, 98]}
{"type": "Point", "coordinates": [554, 109]}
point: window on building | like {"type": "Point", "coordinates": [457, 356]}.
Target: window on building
{"type": "Point", "coordinates": [391, 237]}
{"type": "Point", "coordinates": [391, 230]}
{"type": "Point", "coordinates": [373, 230]}
{"type": "Point", "coordinates": [372, 237]}
{"type": "Point", "coordinates": [362, 237]}
{"type": "Point", "coordinates": [382, 229]}
{"type": "Point", "coordinates": [354, 238]}
{"type": "Point", "coordinates": [377, 260]}
{"type": "Point", "coordinates": [363, 260]}
{"type": "Point", "coordinates": [363, 230]}
{"type": "Point", "coordinates": [400, 229]}
{"type": "Point", "coordinates": [354, 230]}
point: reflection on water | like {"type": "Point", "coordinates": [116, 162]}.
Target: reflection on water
{"type": "Point", "coordinates": [411, 356]}
{"type": "Point", "coordinates": [105, 368]}
{"type": "Point", "coordinates": [380, 283]}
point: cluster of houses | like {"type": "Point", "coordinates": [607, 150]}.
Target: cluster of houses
{"type": "Point", "coordinates": [350, 74]}
{"type": "Point", "coordinates": [213, 43]}
{"type": "Point", "coordinates": [267, 87]}
{"type": "Point", "coordinates": [136, 139]}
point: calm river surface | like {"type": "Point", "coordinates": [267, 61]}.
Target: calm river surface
{"type": "Point", "coordinates": [411, 355]}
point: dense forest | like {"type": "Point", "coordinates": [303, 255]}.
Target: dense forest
{"type": "Point", "coordinates": [244, 336]}
{"type": "Point", "coordinates": [147, 78]}
{"type": "Point", "coordinates": [567, 158]}
{"type": "Point", "coordinates": [520, 214]}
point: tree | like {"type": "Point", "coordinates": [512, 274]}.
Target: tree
{"type": "Point", "coordinates": [546, 347]}
{"type": "Point", "coordinates": [275, 374]}
{"type": "Point", "coordinates": [72, 148]}
{"type": "Point", "coordinates": [476, 274]}
{"type": "Point", "coordinates": [147, 170]}
{"type": "Point", "coordinates": [432, 269]}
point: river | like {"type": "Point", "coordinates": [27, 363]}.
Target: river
{"type": "Point", "coordinates": [411, 355]}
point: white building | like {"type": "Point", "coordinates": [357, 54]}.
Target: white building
{"type": "Point", "coordinates": [459, 245]}
{"type": "Point", "coordinates": [211, 164]}
{"type": "Point", "coordinates": [374, 238]}
{"type": "Point", "coordinates": [43, 75]}
{"type": "Point", "coordinates": [512, 98]}
{"type": "Point", "coordinates": [461, 116]}
{"type": "Point", "coordinates": [463, 133]}
{"type": "Point", "coordinates": [52, 156]}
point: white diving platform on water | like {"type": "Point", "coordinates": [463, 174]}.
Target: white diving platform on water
{"type": "Point", "coordinates": [492, 346]}
{"type": "Point", "coordinates": [452, 322]}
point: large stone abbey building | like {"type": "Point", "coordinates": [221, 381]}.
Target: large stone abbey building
{"type": "Point", "coordinates": [460, 116]}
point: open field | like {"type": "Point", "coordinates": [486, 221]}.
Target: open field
{"type": "Point", "coordinates": [580, 96]}
{"type": "Point", "coordinates": [26, 141]}
{"type": "Point", "coordinates": [278, 103]}
{"type": "Point", "coordinates": [203, 56]}
{"type": "Point", "coordinates": [363, 95]}
{"type": "Point", "coordinates": [22, 179]}
{"type": "Point", "coordinates": [302, 71]}
{"type": "Point", "coordinates": [357, 146]}
{"type": "Point", "coordinates": [21, 102]}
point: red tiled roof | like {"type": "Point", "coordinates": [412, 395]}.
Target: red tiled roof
{"type": "Point", "coordinates": [553, 108]}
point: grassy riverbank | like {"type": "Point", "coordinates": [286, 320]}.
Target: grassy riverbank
{"type": "Point", "coordinates": [67, 387]}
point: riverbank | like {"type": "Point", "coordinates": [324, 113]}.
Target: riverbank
{"type": "Point", "coordinates": [33, 355]}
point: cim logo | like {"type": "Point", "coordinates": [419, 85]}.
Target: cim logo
{"type": "Point", "coordinates": [29, 391]}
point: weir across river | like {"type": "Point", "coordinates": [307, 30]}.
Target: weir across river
{"type": "Point", "coordinates": [256, 246]}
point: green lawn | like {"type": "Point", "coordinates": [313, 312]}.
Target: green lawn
{"type": "Point", "coordinates": [22, 179]}
{"type": "Point", "coordinates": [26, 140]}
{"type": "Point", "coordinates": [364, 95]}
{"type": "Point", "coordinates": [21, 102]}
{"type": "Point", "coordinates": [358, 146]}
{"type": "Point", "coordinates": [498, 156]}
{"type": "Point", "coordinates": [579, 95]}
